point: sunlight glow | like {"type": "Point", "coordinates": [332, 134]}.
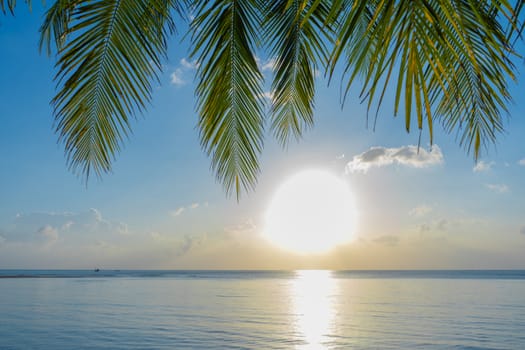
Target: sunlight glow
{"type": "Point", "coordinates": [312, 212]}
{"type": "Point", "coordinates": [313, 294]}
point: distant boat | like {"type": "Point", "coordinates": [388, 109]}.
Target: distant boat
{"type": "Point", "coordinates": [97, 269]}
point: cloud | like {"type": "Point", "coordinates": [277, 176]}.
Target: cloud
{"type": "Point", "coordinates": [522, 231]}
{"type": "Point", "coordinates": [176, 77]}
{"type": "Point", "coordinates": [498, 188]}
{"type": "Point", "coordinates": [421, 210]}
{"type": "Point", "coordinates": [244, 228]}
{"type": "Point", "coordinates": [188, 243]}
{"type": "Point", "coordinates": [189, 65]}
{"type": "Point", "coordinates": [51, 226]}
{"type": "Point", "coordinates": [177, 211]}
{"type": "Point", "coordinates": [388, 240]}
{"type": "Point", "coordinates": [482, 166]}
{"type": "Point", "coordinates": [191, 206]}
{"type": "Point", "coordinates": [410, 156]}
{"type": "Point", "coordinates": [521, 162]}
{"type": "Point", "coordinates": [48, 232]}
{"type": "Point", "coordinates": [267, 65]}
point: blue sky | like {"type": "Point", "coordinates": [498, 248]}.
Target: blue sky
{"type": "Point", "coordinates": [162, 208]}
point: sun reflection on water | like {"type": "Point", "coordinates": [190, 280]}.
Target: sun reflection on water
{"type": "Point", "coordinates": [312, 295]}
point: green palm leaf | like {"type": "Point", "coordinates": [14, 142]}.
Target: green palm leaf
{"type": "Point", "coordinates": [112, 52]}
{"type": "Point", "coordinates": [230, 104]}
{"type": "Point", "coordinates": [297, 38]}
{"type": "Point", "coordinates": [451, 57]}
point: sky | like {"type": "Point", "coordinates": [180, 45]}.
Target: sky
{"type": "Point", "coordinates": [161, 207]}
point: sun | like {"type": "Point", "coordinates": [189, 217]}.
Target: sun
{"type": "Point", "coordinates": [311, 212]}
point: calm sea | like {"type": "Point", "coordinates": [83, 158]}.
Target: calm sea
{"type": "Point", "coordinates": [262, 310]}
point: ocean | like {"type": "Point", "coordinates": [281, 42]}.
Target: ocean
{"type": "Point", "coordinates": [44, 309]}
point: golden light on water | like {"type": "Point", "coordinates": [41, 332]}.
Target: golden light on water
{"type": "Point", "coordinates": [313, 295]}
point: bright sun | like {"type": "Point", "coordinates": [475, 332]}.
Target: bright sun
{"type": "Point", "coordinates": [312, 212]}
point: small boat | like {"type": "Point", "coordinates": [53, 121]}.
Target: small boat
{"type": "Point", "coordinates": [97, 269]}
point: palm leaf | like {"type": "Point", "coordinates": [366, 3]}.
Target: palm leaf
{"type": "Point", "coordinates": [451, 57]}
{"type": "Point", "coordinates": [297, 37]}
{"type": "Point", "coordinates": [112, 53]}
{"type": "Point", "coordinates": [230, 105]}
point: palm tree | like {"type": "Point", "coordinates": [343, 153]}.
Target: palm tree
{"type": "Point", "coordinates": [448, 61]}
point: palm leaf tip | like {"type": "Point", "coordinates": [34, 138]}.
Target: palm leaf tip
{"type": "Point", "coordinates": [105, 69]}
{"type": "Point", "coordinates": [297, 35]}
{"type": "Point", "coordinates": [231, 112]}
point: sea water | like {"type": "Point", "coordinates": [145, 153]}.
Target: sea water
{"type": "Point", "coordinates": [262, 310]}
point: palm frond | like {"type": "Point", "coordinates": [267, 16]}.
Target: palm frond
{"type": "Point", "coordinates": [297, 36]}
{"type": "Point", "coordinates": [112, 52]}
{"type": "Point", "coordinates": [451, 57]}
{"type": "Point", "coordinates": [55, 28]}
{"type": "Point", "coordinates": [230, 104]}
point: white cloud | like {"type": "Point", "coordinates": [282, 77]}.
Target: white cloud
{"type": "Point", "coordinates": [498, 188]}
{"type": "Point", "coordinates": [189, 65]}
{"type": "Point", "coordinates": [420, 210]}
{"type": "Point", "coordinates": [410, 156]}
{"type": "Point", "coordinates": [191, 206]}
{"type": "Point", "coordinates": [176, 77]}
{"type": "Point", "coordinates": [482, 166]}
{"type": "Point", "coordinates": [177, 211]}
{"type": "Point", "coordinates": [339, 157]}
{"type": "Point", "coordinates": [268, 65]}
{"type": "Point", "coordinates": [521, 162]}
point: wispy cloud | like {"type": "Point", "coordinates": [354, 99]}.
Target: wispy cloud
{"type": "Point", "coordinates": [420, 210]}
{"type": "Point", "coordinates": [521, 162]}
{"type": "Point", "coordinates": [410, 156]}
{"type": "Point", "coordinates": [189, 64]}
{"type": "Point", "coordinates": [177, 211]}
{"type": "Point", "coordinates": [46, 226]}
{"type": "Point", "coordinates": [265, 65]}
{"type": "Point", "coordinates": [178, 76]}
{"type": "Point", "coordinates": [498, 188]}
{"type": "Point", "coordinates": [482, 166]}
{"type": "Point", "coordinates": [268, 65]}
{"type": "Point", "coordinates": [182, 209]}
{"type": "Point", "coordinates": [243, 228]}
